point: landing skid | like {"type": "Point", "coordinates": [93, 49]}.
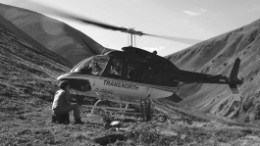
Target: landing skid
{"type": "Point", "coordinates": [92, 111]}
{"type": "Point", "coordinates": [117, 110]}
{"type": "Point", "coordinates": [145, 109]}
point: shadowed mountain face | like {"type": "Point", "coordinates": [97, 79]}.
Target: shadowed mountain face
{"type": "Point", "coordinates": [27, 74]}
{"type": "Point", "coordinates": [216, 56]}
{"type": "Point", "coordinates": [53, 35]}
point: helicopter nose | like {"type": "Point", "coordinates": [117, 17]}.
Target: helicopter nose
{"type": "Point", "coordinates": [79, 85]}
{"type": "Point", "coordinates": [82, 85]}
{"type": "Point", "coordinates": [61, 77]}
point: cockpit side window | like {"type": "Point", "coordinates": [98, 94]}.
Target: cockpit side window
{"type": "Point", "coordinates": [92, 66]}
{"type": "Point", "coordinates": [114, 69]}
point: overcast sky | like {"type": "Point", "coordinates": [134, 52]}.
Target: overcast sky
{"type": "Point", "coordinates": [196, 19]}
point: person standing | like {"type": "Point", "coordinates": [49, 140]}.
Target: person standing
{"type": "Point", "coordinates": [61, 104]}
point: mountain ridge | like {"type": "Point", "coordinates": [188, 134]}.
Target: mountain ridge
{"type": "Point", "coordinates": [216, 56]}
{"type": "Point", "coordinates": [9, 26]}
{"type": "Point", "coordinates": [52, 34]}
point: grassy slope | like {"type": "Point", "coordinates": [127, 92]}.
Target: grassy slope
{"type": "Point", "coordinates": [27, 82]}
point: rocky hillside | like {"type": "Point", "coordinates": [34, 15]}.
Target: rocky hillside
{"type": "Point", "coordinates": [216, 56]}
{"type": "Point", "coordinates": [52, 34]}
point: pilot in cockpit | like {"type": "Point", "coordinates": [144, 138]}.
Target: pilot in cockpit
{"type": "Point", "coordinates": [92, 68]}
{"type": "Point", "coordinates": [96, 69]}
{"type": "Point", "coordinates": [116, 69]}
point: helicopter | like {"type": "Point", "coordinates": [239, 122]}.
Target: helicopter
{"type": "Point", "coordinates": [134, 75]}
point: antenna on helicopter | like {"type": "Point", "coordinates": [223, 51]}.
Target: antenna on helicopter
{"type": "Point", "coordinates": [132, 38]}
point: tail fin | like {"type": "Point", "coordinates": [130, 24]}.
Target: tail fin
{"type": "Point", "coordinates": [235, 69]}
{"type": "Point", "coordinates": [233, 80]}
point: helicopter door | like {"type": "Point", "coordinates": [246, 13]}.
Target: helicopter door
{"type": "Point", "coordinates": [134, 71]}
{"type": "Point", "coordinates": [153, 74]}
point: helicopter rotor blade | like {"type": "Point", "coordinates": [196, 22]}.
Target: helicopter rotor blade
{"type": "Point", "coordinates": [53, 11]}
{"type": "Point", "coordinates": [177, 39]}
{"type": "Point", "coordinates": [100, 24]}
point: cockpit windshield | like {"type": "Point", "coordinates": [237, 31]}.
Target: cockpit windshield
{"type": "Point", "coordinates": [92, 66]}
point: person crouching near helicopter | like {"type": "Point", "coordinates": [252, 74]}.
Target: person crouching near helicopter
{"type": "Point", "coordinates": [61, 104]}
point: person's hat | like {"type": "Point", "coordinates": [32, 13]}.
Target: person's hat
{"type": "Point", "coordinates": [63, 84]}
